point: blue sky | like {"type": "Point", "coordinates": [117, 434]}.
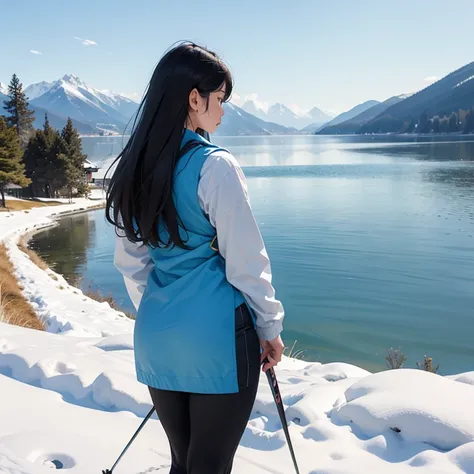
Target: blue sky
{"type": "Point", "coordinates": [303, 53]}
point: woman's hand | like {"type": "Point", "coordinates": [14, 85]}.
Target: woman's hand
{"type": "Point", "coordinates": [273, 350]}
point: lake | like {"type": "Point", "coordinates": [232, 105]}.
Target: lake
{"type": "Point", "coordinates": [371, 241]}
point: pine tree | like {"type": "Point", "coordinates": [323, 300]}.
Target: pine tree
{"type": "Point", "coordinates": [410, 128]}
{"type": "Point", "coordinates": [469, 122]}
{"type": "Point", "coordinates": [45, 162]}
{"type": "Point", "coordinates": [17, 106]}
{"type": "Point", "coordinates": [453, 122]}
{"type": "Point", "coordinates": [436, 125]}
{"type": "Point", "coordinates": [75, 178]}
{"type": "Point", "coordinates": [444, 125]}
{"type": "Point", "coordinates": [424, 125]}
{"type": "Point", "coordinates": [12, 170]}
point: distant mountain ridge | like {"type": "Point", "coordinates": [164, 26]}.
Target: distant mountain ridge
{"type": "Point", "coordinates": [353, 124]}
{"type": "Point", "coordinates": [450, 94]}
{"type": "Point", "coordinates": [98, 111]}
{"type": "Point", "coordinates": [283, 115]}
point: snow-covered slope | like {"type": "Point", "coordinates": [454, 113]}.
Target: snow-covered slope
{"type": "Point", "coordinates": [71, 97]}
{"type": "Point", "coordinates": [3, 88]}
{"type": "Point", "coordinates": [283, 115]}
{"type": "Point", "coordinates": [237, 121]}
{"type": "Point", "coordinates": [36, 90]}
{"type": "Point", "coordinates": [70, 398]}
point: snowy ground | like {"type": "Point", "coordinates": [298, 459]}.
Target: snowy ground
{"type": "Point", "coordinates": [69, 395]}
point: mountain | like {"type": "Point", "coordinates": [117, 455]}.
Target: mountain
{"type": "Point", "coordinates": [59, 122]}
{"type": "Point", "coordinates": [54, 120]}
{"type": "Point", "coordinates": [450, 94]}
{"type": "Point", "coordinates": [318, 116]}
{"type": "Point", "coordinates": [350, 114]}
{"type": "Point", "coordinates": [71, 97]}
{"type": "Point", "coordinates": [3, 89]}
{"type": "Point", "coordinates": [352, 125]}
{"type": "Point", "coordinates": [35, 90]}
{"type": "Point", "coordinates": [283, 115]}
{"type": "Point", "coordinates": [317, 119]}
{"type": "Point", "coordinates": [279, 113]}
{"type": "Point", "coordinates": [237, 121]}
{"type": "Point", "coordinates": [3, 96]}
{"type": "Point", "coordinates": [250, 107]}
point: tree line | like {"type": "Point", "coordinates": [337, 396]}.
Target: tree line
{"type": "Point", "coordinates": [49, 162]}
{"type": "Point", "coordinates": [461, 121]}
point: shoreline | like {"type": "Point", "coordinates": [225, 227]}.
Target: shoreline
{"type": "Point", "coordinates": [29, 234]}
{"type": "Point", "coordinates": [45, 290]}
{"type": "Point", "coordinates": [95, 295]}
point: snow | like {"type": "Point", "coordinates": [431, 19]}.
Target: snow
{"type": "Point", "coordinates": [74, 85]}
{"type": "Point", "coordinates": [406, 96]}
{"type": "Point", "coordinates": [70, 398]}
{"type": "Point", "coordinates": [38, 89]}
{"type": "Point", "coordinates": [464, 81]}
{"type": "Point", "coordinates": [3, 89]}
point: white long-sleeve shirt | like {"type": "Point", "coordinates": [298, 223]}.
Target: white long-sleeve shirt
{"type": "Point", "coordinates": [223, 196]}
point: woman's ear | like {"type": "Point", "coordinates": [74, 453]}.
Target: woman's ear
{"type": "Point", "coordinates": [194, 100]}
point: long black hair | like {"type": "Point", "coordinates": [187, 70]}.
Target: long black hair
{"type": "Point", "coordinates": [140, 192]}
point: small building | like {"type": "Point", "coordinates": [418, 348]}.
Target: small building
{"type": "Point", "coordinates": [14, 190]}
{"type": "Point", "coordinates": [90, 168]}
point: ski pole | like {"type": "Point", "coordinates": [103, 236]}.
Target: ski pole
{"type": "Point", "coordinates": [272, 380]}
{"type": "Point", "coordinates": [110, 471]}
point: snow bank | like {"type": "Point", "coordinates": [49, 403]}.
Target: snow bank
{"type": "Point", "coordinates": [421, 406]}
{"type": "Point", "coordinates": [467, 377]}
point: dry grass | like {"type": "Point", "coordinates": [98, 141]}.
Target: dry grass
{"type": "Point", "coordinates": [299, 354]}
{"type": "Point", "coordinates": [34, 257]}
{"type": "Point", "coordinates": [22, 205]}
{"type": "Point", "coordinates": [427, 365]}
{"type": "Point", "coordinates": [14, 308]}
{"type": "Point", "coordinates": [96, 295]}
{"type": "Point", "coordinates": [395, 358]}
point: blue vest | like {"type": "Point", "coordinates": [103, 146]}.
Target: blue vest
{"type": "Point", "coordinates": [184, 335]}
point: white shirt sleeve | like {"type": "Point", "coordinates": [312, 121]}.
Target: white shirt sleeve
{"type": "Point", "coordinates": [223, 196]}
{"type": "Point", "coordinates": [133, 261]}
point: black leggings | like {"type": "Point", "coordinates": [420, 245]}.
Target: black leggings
{"type": "Point", "coordinates": [204, 430]}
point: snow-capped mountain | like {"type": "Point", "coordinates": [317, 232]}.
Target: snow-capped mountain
{"type": "Point", "coordinates": [93, 110]}
{"type": "Point", "coordinates": [35, 90]}
{"type": "Point", "coordinates": [318, 116]}
{"type": "Point", "coordinates": [71, 97]}
{"type": "Point", "coordinates": [283, 115]}
{"type": "Point", "coordinates": [251, 107]}
{"type": "Point", "coordinates": [3, 89]}
{"type": "Point", "coordinates": [280, 113]}
{"type": "Point", "coordinates": [237, 121]}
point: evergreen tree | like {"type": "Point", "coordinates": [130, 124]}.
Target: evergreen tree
{"type": "Point", "coordinates": [20, 116]}
{"type": "Point", "coordinates": [453, 122]}
{"type": "Point", "coordinates": [436, 125]}
{"type": "Point", "coordinates": [75, 176]}
{"type": "Point", "coordinates": [12, 170]}
{"type": "Point", "coordinates": [469, 122]}
{"type": "Point", "coordinates": [411, 126]}
{"type": "Point", "coordinates": [424, 125]}
{"type": "Point", "coordinates": [45, 162]}
{"type": "Point", "coordinates": [444, 125]}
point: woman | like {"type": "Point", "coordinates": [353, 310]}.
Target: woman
{"type": "Point", "coordinates": [194, 264]}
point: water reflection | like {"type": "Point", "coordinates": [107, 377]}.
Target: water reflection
{"type": "Point", "coordinates": [461, 151]}
{"type": "Point", "coordinates": [305, 150]}
{"type": "Point", "coordinates": [65, 246]}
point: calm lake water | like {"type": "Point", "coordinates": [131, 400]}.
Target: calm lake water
{"type": "Point", "coordinates": [371, 241]}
